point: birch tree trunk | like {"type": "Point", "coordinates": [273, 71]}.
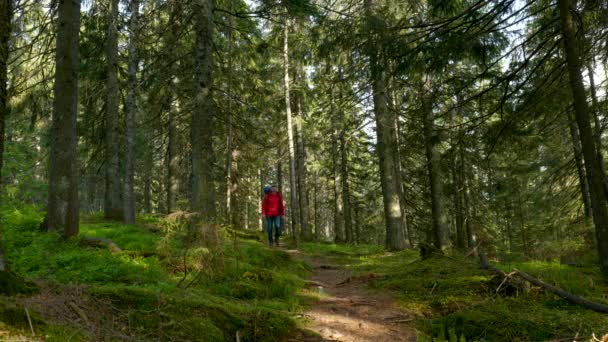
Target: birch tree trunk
{"type": "Point", "coordinates": [201, 133]}
{"type": "Point", "coordinates": [130, 117]}
{"type": "Point", "coordinates": [63, 205]}
{"type": "Point", "coordinates": [113, 208]}
{"type": "Point", "coordinates": [595, 176]}
{"type": "Point", "coordinates": [290, 135]}
{"type": "Point", "coordinates": [6, 13]}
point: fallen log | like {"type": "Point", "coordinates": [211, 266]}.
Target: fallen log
{"type": "Point", "coordinates": [101, 242]}
{"type": "Point", "coordinates": [507, 279]}
{"type": "Point", "coordinates": [563, 294]}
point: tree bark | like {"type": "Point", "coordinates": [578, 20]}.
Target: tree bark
{"type": "Point", "coordinates": [129, 200]}
{"type": "Point", "coordinates": [433, 156]}
{"type": "Point", "coordinates": [395, 107]}
{"type": "Point", "coordinates": [348, 220]}
{"type": "Point", "coordinates": [317, 216]}
{"type": "Point", "coordinates": [466, 210]}
{"type": "Point", "coordinates": [147, 176]}
{"type": "Point", "coordinates": [62, 210]}
{"type": "Point", "coordinates": [6, 14]}
{"type": "Point", "coordinates": [113, 208]}
{"type": "Point", "coordinates": [580, 167]}
{"type": "Point", "coordinates": [386, 144]}
{"type": "Point", "coordinates": [338, 199]}
{"type": "Point", "coordinates": [279, 176]}
{"type": "Point", "coordinates": [229, 172]}
{"type": "Point", "coordinates": [201, 133]}
{"type": "Point", "coordinates": [261, 224]}
{"type": "Point", "coordinates": [306, 233]}
{"type": "Point", "coordinates": [290, 134]}
{"type": "Point", "coordinates": [594, 174]}
{"type": "Point", "coordinates": [171, 163]}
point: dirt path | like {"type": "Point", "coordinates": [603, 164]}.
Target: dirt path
{"type": "Point", "coordinates": [348, 311]}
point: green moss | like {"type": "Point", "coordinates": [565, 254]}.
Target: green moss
{"type": "Point", "coordinates": [241, 286]}
{"type": "Point", "coordinates": [11, 284]}
{"type": "Point", "coordinates": [453, 298]}
{"type": "Point", "coordinates": [62, 333]}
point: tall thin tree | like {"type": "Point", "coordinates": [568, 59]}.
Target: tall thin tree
{"type": "Point", "coordinates": [6, 13]}
{"type": "Point", "coordinates": [201, 132]}
{"type": "Point", "coordinates": [593, 169]}
{"type": "Point", "coordinates": [113, 208]}
{"type": "Point", "coordinates": [129, 195]}
{"type": "Point", "coordinates": [290, 134]}
{"type": "Point", "coordinates": [385, 131]}
{"type": "Point", "coordinates": [63, 210]}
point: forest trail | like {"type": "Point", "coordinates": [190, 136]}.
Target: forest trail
{"type": "Point", "coordinates": [348, 311]}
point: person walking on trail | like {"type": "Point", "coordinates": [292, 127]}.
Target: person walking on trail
{"type": "Point", "coordinates": [273, 209]}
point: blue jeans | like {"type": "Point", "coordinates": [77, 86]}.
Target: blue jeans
{"type": "Point", "coordinates": [276, 220]}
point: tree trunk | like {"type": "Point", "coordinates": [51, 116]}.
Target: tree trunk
{"type": "Point", "coordinates": [235, 217]}
{"type": "Point", "coordinates": [129, 200]}
{"type": "Point", "coordinates": [260, 199]}
{"type": "Point", "coordinates": [280, 177]}
{"type": "Point", "coordinates": [201, 133]}
{"type": "Point", "coordinates": [230, 181]}
{"type": "Point", "coordinates": [113, 208]}
{"type": "Point", "coordinates": [357, 219]}
{"type": "Point", "coordinates": [62, 210]}
{"type": "Point", "coordinates": [466, 211]}
{"type": "Point", "coordinates": [348, 220]}
{"type": "Point", "coordinates": [458, 206]}
{"type": "Point", "coordinates": [580, 167]}
{"type": "Point", "coordinates": [594, 173]}
{"type": "Point", "coordinates": [386, 144]}
{"type": "Point", "coordinates": [147, 175]}
{"type": "Point", "coordinates": [339, 234]}
{"type": "Point", "coordinates": [433, 157]}
{"type": "Point", "coordinates": [6, 14]}
{"type": "Point", "coordinates": [306, 233]}
{"type": "Point", "coordinates": [317, 208]}
{"type": "Point", "coordinates": [290, 135]}
{"type": "Point", "coordinates": [171, 161]}
{"type": "Point", "coordinates": [395, 107]}
{"type": "Point", "coordinates": [597, 132]}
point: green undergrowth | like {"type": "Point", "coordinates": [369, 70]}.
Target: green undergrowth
{"type": "Point", "coordinates": [452, 297]}
{"type": "Point", "coordinates": [161, 286]}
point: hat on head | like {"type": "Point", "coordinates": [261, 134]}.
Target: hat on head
{"type": "Point", "coordinates": [267, 188]}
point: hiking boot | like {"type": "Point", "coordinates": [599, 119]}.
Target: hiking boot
{"type": "Point", "coordinates": [276, 243]}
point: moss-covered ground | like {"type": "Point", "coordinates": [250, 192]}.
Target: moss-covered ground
{"type": "Point", "coordinates": [162, 286]}
{"type": "Point", "coordinates": [453, 299]}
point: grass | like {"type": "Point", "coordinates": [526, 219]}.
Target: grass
{"type": "Point", "coordinates": [452, 297]}
{"type": "Point", "coordinates": [142, 293]}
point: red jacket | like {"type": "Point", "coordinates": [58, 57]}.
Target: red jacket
{"type": "Point", "coordinates": [273, 205]}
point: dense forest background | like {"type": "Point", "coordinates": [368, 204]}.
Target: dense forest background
{"type": "Point", "coordinates": [407, 137]}
{"type": "Point", "coordinates": [415, 123]}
